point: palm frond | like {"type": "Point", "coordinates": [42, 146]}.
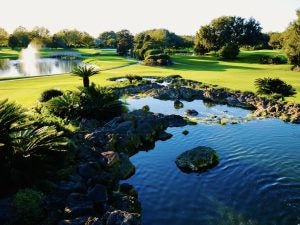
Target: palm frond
{"type": "Point", "coordinates": [85, 70]}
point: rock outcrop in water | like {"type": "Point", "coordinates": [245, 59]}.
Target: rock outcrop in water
{"type": "Point", "coordinates": [197, 159]}
{"type": "Point", "coordinates": [180, 89]}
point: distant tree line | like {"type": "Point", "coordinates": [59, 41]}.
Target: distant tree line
{"type": "Point", "coordinates": [224, 35]}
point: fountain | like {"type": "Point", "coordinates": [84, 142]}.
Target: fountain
{"type": "Point", "coordinates": [30, 64]}
{"type": "Point", "coordinates": [29, 60]}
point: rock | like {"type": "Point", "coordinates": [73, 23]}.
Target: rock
{"type": "Point", "coordinates": [178, 104]}
{"type": "Point", "coordinates": [124, 169]}
{"type": "Point", "coordinates": [112, 157]}
{"type": "Point", "coordinates": [128, 189]}
{"type": "Point", "coordinates": [126, 203]}
{"type": "Point", "coordinates": [88, 170]}
{"type": "Point", "coordinates": [190, 94]}
{"type": "Point", "coordinates": [185, 132]}
{"type": "Point", "coordinates": [98, 194]}
{"type": "Point", "coordinates": [6, 209]}
{"type": "Point", "coordinates": [119, 217]}
{"type": "Point", "coordinates": [191, 112]}
{"type": "Point", "coordinates": [107, 179]}
{"type": "Point", "coordinates": [197, 159]}
{"type": "Point", "coordinates": [176, 121]}
{"type": "Point", "coordinates": [85, 220]}
{"type": "Point", "coordinates": [233, 101]}
{"type": "Point", "coordinates": [73, 184]}
{"type": "Point", "coordinates": [163, 136]}
{"type": "Point", "coordinates": [78, 205]}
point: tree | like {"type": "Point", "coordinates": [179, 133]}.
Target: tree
{"type": "Point", "coordinates": [41, 35]}
{"type": "Point", "coordinates": [292, 43]}
{"type": "Point", "coordinates": [274, 86]}
{"type": "Point", "coordinates": [124, 41]}
{"type": "Point", "coordinates": [19, 38]}
{"type": "Point", "coordinates": [85, 72]}
{"type": "Point", "coordinates": [107, 39]}
{"type": "Point", "coordinates": [72, 39]}
{"type": "Point", "coordinates": [157, 39]}
{"type": "Point", "coordinates": [3, 38]}
{"type": "Point", "coordinates": [225, 30]}
{"type": "Point", "coordinates": [229, 51]}
{"type": "Point", "coordinates": [276, 40]}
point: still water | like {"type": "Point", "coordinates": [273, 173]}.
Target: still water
{"type": "Point", "coordinates": [44, 66]}
{"type": "Point", "coordinates": [256, 182]}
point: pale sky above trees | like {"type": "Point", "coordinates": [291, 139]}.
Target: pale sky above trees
{"type": "Point", "coordinates": [181, 17]}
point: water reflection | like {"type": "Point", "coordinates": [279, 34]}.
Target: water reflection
{"type": "Point", "coordinates": [45, 66]}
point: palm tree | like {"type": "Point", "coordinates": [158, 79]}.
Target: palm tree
{"type": "Point", "coordinates": [85, 72]}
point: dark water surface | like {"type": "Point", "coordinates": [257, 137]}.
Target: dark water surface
{"type": "Point", "coordinates": [256, 182]}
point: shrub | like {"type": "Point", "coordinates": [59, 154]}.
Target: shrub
{"type": "Point", "coordinates": [146, 108]}
{"type": "Point", "coordinates": [48, 94]}
{"type": "Point", "coordinates": [158, 60]}
{"type": "Point", "coordinates": [175, 76]}
{"type": "Point", "coordinates": [272, 86]}
{"type": "Point", "coordinates": [153, 52]}
{"type": "Point", "coordinates": [273, 60]}
{"type": "Point", "coordinates": [92, 103]}
{"type": "Point", "coordinates": [229, 51]}
{"type": "Point", "coordinates": [132, 78]}
{"type": "Point", "coordinates": [27, 208]}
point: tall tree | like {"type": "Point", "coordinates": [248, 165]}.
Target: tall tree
{"type": "Point", "coordinates": [3, 37]}
{"type": "Point", "coordinates": [276, 40]}
{"type": "Point", "coordinates": [292, 43]}
{"type": "Point", "coordinates": [124, 42]}
{"type": "Point", "coordinates": [107, 39]}
{"type": "Point", "coordinates": [228, 30]}
{"type": "Point", "coordinates": [19, 38]}
{"type": "Point", "coordinates": [41, 35]}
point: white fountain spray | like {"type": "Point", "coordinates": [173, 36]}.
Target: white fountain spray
{"type": "Point", "coordinates": [29, 59]}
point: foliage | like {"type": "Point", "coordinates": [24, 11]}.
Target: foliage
{"type": "Point", "coordinates": [157, 39]}
{"type": "Point", "coordinates": [229, 51]}
{"type": "Point", "coordinates": [107, 39]}
{"type": "Point", "coordinates": [85, 71]}
{"type": "Point", "coordinates": [3, 37]}
{"type": "Point", "coordinates": [292, 42]}
{"type": "Point", "coordinates": [92, 103]}
{"type": "Point", "coordinates": [158, 60]}
{"type": "Point", "coordinates": [50, 93]}
{"type": "Point", "coordinates": [19, 38]}
{"type": "Point", "coordinates": [41, 36]}
{"type": "Point", "coordinates": [271, 86]}
{"type": "Point", "coordinates": [153, 52]}
{"type": "Point", "coordinates": [276, 59]}
{"type": "Point", "coordinates": [131, 78]}
{"type": "Point", "coordinates": [276, 40]}
{"type": "Point", "coordinates": [72, 39]}
{"type": "Point", "coordinates": [27, 208]}
{"type": "Point", "coordinates": [124, 41]}
{"type": "Point", "coordinates": [225, 30]}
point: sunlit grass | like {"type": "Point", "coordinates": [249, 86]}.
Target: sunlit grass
{"type": "Point", "coordinates": [237, 75]}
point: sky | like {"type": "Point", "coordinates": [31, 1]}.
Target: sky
{"type": "Point", "coordinates": [179, 16]}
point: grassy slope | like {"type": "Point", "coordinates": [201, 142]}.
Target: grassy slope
{"type": "Point", "coordinates": [238, 75]}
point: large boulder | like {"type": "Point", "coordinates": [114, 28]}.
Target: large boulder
{"type": "Point", "coordinates": [124, 168]}
{"type": "Point", "coordinates": [98, 194]}
{"type": "Point", "coordinates": [191, 112]}
{"type": "Point", "coordinates": [85, 220]}
{"type": "Point", "coordinates": [197, 159]}
{"type": "Point", "coordinates": [78, 205]}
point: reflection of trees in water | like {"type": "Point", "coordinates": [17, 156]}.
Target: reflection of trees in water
{"type": "Point", "coordinates": [4, 64]}
{"type": "Point", "coordinates": [208, 103]}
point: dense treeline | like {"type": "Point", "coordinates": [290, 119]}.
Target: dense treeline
{"type": "Point", "coordinates": [224, 35]}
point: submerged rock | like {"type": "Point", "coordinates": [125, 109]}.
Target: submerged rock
{"type": "Point", "coordinates": [178, 104]}
{"type": "Point", "coordinates": [197, 159]}
{"type": "Point", "coordinates": [163, 136]}
{"type": "Point", "coordinates": [191, 112]}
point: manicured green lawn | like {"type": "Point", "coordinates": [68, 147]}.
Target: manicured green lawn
{"type": "Point", "coordinates": [238, 75]}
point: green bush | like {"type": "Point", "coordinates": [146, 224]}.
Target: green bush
{"type": "Point", "coordinates": [92, 103]}
{"type": "Point", "coordinates": [153, 52]}
{"type": "Point", "coordinates": [229, 51]}
{"type": "Point", "coordinates": [131, 78]}
{"type": "Point", "coordinates": [273, 60]}
{"type": "Point", "coordinates": [27, 208]}
{"type": "Point", "coordinates": [274, 86]}
{"type": "Point", "coordinates": [48, 94]}
{"type": "Point", "coordinates": [158, 60]}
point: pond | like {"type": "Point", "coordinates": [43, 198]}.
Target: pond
{"type": "Point", "coordinates": [42, 66]}
{"type": "Point", "coordinates": [256, 182]}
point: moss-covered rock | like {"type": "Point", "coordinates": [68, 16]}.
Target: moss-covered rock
{"type": "Point", "coordinates": [197, 159]}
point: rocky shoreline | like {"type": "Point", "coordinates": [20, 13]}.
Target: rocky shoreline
{"type": "Point", "coordinates": [180, 89]}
